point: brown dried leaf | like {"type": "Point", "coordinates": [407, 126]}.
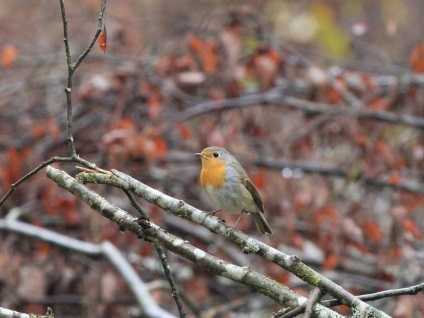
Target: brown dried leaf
{"type": "Point", "coordinates": [416, 59]}
{"type": "Point", "coordinates": [9, 54]}
{"type": "Point", "coordinates": [102, 39]}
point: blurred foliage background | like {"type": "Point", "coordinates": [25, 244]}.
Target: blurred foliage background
{"type": "Point", "coordinates": [342, 190]}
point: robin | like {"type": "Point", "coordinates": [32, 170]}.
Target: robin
{"type": "Point", "coordinates": [228, 186]}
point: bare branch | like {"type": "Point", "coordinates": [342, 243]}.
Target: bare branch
{"type": "Point", "coordinates": [94, 39]}
{"type": "Point", "coordinates": [162, 257]}
{"type": "Point", "coordinates": [314, 297]}
{"type": "Point", "coordinates": [151, 232]}
{"type": "Point", "coordinates": [315, 167]}
{"type": "Point", "coordinates": [7, 313]}
{"type": "Point", "coordinates": [73, 156]}
{"type": "Point", "coordinates": [72, 68]}
{"type": "Point", "coordinates": [412, 290]}
{"type": "Point", "coordinates": [280, 96]}
{"type": "Point", "coordinates": [246, 243]}
{"type": "Point", "coordinates": [31, 173]}
{"type": "Point", "coordinates": [105, 249]}
{"type": "Point", "coordinates": [307, 308]}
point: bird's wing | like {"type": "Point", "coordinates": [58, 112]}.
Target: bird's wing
{"type": "Point", "coordinates": [255, 194]}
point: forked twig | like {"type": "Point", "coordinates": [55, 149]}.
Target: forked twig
{"type": "Point", "coordinates": [161, 252]}
{"type": "Point", "coordinates": [73, 156]}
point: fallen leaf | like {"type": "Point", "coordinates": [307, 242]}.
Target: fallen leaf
{"type": "Point", "coordinates": [9, 55]}
{"type": "Point", "coordinates": [416, 59]}
{"type": "Point", "coordinates": [372, 231]}
{"type": "Point", "coordinates": [330, 262]}
{"type": "Point", "coordinates": [184, 130]}
{"type": "Point", "coordinates": [411, 227]}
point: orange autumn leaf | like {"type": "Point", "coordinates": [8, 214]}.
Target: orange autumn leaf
{"type": "Point", "coordinates": [154, 99]}
{"type": "Point", "coordinates": [161, 148]}
{"type": "Point", "coordinates": [123, 123]}
{"type": "Point", "coordinates": [416, 59]}
{"type": "Point", "coordinates": [39, 131]}
{"type": "Point", "coordinates": [145, 249]}
{"type": "Point", "coordinates": [282, 277]}
{"type": "Point", "coordinates": [330, 262]}
{"type": "Point", "coordinates": [195, 44]}
{"type": "Point", "coordinates": [68, 210]}
{"type": "Point", "coordinates": [154, 106]}
{"type": "Point", "coordinates": [373, 231]}
{"type": "Point", "coordinates": [394, 178]}
{"type": "Point", "coordinates": [156, 216]}
{"type": "Point", "coordinates": [412, 228]}
{"type": "Point", "coordinates": [298, 241]}
{"type": "Point", "coordinates": [54, 128]}
{"type": "Point", "coordinates": [369, 81]}
{"type": "Point", "coordinates": [184, 130]}
{"type": "Point", "coordinates": [9, 54]}
{"type": "Point", "coordinates": [274, 55]}
{"type": "Point", "coordinates": [333, 96]}
{"type": "Point", "coordinates": [264, 66]}
{"type": "Point", "coordinates": [258, 179]}
{"type": "Point", "coordinates": [383, 149]}
{"type": "Point", "coordinates": [102, 39]}
{"type": "Point", "coordinates": [13, 170]}
{"type": "Point", "coordinates": [206, 52]}
{"type": "Point", "coordinates": [361, 139]}
{"type": "Point", "coordinates": [379, 104]}
{"type": "Point", "coordinates": [327, 215]}
{"type": "Point", "coordinates": [43, 247]}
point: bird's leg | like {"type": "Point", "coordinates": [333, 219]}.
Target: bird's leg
{"type": "Point", "coordinates": [232, 228]}
{"type": "Point", "coordinates": [210, 213]}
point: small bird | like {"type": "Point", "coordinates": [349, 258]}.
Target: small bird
{"type": "Point", "coordinates": [228, 186]}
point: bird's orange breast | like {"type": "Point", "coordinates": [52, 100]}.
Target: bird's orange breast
{"type": "Point", "coordinates": [213, 173]}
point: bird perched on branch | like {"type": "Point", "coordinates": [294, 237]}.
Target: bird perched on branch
{"type": "Point", "coordinates": [228, 186]}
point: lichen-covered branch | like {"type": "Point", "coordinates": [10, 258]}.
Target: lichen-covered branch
{"type": "Point", "coordinates": [151, 232]}
{"type": "Point", "coordinates": [246, 243]}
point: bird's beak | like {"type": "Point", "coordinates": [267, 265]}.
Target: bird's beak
{"type": "Point", "coordinates": [199, 154]}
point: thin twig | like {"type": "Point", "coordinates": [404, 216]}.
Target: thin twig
{"type": "Point", "coordinates": [287, 313]}
{"type": "Point", "coordinates": [73, 156]}
{"type": "Point", "coordinates": [412, 290]}
{"type": "Point", "coordinates": [31, 173]}
{"type": "Point", "coordinates": [307, 308]}
{"type": "Point", "coordinates": [94, 39]}
{"type": "Point", "coordinates": [68, 89]}
{"type": "Point", "coordinates": [314, 297]}
{"type": "Point", "coordinates": [314, 167]}
{"type": "Point", "coordinates": [73, 67]}
{"type": "Point", "coordinates": [280, 97]}
{"type": "Point", "coordinates": [161, 252]}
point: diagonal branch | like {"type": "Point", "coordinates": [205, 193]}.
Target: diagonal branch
{"type": "Point", "coordinates": [162, 257]}
{"type": "Point", "coordinates": [246, 243]}
{"type": "Point", "coordinates": [14, 186]}
{"type": "Point", "coordinates": [151, 232]}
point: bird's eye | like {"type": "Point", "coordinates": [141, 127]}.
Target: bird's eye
{"type": "Point", "coordinates": [216, 154]}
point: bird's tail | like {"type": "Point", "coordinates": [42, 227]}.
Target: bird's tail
{"type": "Point", "coordinates": [261, 223]}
